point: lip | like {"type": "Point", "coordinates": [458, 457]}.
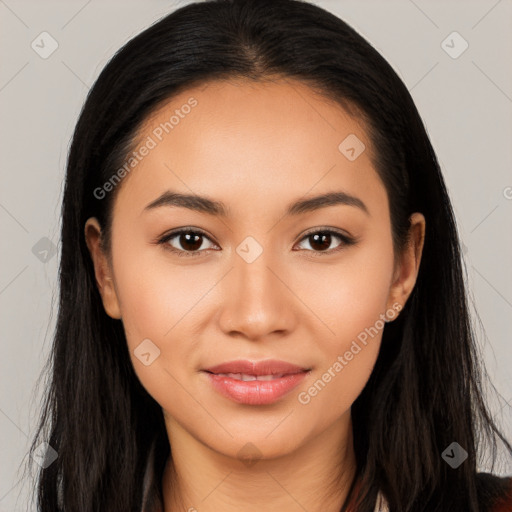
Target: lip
{"type": "Point", "coordinates": [265, 367]}
{"type": "Point", "coordinates": [256, 392]}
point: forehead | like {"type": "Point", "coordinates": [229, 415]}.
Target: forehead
{"type": "Point", "coordinates": [242, 139]}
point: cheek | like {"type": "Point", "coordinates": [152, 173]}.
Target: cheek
{"type": "Point", "coordinates": [351, 294]}
{"type": "Point", "coordinates": [336, 386]}
{"type": "Point", "coordinates": [154, 292]}
{"type": "Point", "coordinates": [351, 302]}
{"type": "Point", "coordinates": [347, 360]}
{"type": "Point", "coordinates": [158, 301]}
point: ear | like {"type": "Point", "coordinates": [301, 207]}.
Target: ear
{"type": "Point", "coordinates": [102, 270]}
{"type": "Point", "coordinates": [406, 270]}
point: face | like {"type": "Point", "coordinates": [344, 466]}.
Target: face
{"type": "Point", "coordinates": [308, 286]}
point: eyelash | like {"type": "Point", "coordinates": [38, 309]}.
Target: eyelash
{"type": "Point", "coordinates": [346, 241]}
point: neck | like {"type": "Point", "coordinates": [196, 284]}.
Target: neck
{"type": "Point", "coordinates": [315, 477]}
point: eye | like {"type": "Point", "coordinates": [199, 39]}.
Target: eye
{"type": "Point", "coordinates": [190, 241]}
{"type": "Point", "coordinates": [320, 241]}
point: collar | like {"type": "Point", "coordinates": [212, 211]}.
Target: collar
{"type": "Point", "coordinates": [381, 505]}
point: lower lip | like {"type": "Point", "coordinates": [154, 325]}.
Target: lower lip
{"type": "Point", "coordinates": [256, 392]}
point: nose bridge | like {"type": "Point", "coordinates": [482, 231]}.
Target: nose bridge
{"type": "Point", "coordinates": [253, 274]}
{"type": "Point", "coordinates": [252, 271]}
{"type": "Point", "coordinates": [255, 301]}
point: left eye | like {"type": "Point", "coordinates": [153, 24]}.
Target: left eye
{"type": "Point", "coordinates": [321, 240]}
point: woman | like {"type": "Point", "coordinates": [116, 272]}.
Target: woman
{"type": "Point", "coordinates": [262, 295]}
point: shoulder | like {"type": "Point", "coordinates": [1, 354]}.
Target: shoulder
{"type": "Point", "coordinates": [494, 492]}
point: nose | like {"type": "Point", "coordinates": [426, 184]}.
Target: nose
{"type": "Point", "coordinates": [258, 299]}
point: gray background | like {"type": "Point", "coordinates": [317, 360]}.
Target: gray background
{"type": "Point", "coordinates": [465, 102]}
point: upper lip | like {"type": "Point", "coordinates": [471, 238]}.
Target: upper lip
{"type": "Point", "coordinates": [265, 367]}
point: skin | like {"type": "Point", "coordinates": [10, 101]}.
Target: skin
{"type": "Point", "coordinates": [257, 147]}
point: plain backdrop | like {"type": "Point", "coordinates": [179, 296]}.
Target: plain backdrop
{"type": "Point", "coordinates": [465, 101]}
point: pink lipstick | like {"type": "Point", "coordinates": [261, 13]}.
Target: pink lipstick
{"type": "Point", "coordinates": [255, 383]}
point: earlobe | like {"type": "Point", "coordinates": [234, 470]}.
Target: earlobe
{"type": "Point", "coordinates": [409, 263]}
{"type": "Point", "coordinates": [102, 270]}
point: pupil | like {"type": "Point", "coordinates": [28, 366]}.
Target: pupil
{"type": "Point", "coordinates": [325, 237]}
{"type": "Point", "coordinates": [188, 237]}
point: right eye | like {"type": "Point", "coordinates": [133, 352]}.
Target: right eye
{"type": "Point", "coordinates": [189, 239]}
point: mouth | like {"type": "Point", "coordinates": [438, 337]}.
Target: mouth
{"type": "Point", "coordinates": [255, 383]}
{"type": "Point", "coordinates": [266, 367]}
{"type": "Point", "coordinates": [245, 377]}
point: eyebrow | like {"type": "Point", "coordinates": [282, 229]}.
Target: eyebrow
{"type": "Point", "coordinates": [209, 206]}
